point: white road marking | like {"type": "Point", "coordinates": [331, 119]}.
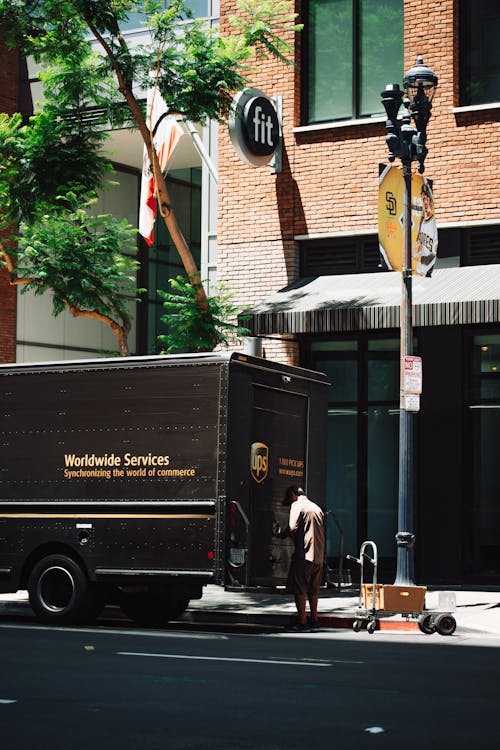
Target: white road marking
{"type": "Point", "coordinates": [119, 631]}
{"type": "Point", "coordinates": [226, 658]}
{"type": "Point", "coordinates": [7, 700]}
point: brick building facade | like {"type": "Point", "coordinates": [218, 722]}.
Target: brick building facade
{"type": "Point", "coordinates": [314, 226]}
{"type": "Point", "coordinates": [329, 182]}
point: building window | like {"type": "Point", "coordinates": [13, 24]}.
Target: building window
{"type": "Point", "coordinates": [161, 262]}
{"type": "Point", "coordinates": [353, 49]}
{"type": "Point", "coordinates": [479, 52]}
{"type": "Point", "coordinates": [481, 246]}
{"type": "Point", "coordinates": [199, 8]}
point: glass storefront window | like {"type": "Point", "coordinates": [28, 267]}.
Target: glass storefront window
{"type": "Point", "coordinates": [485, 421]}
{"type": "Point", "coordinates": [486, 374]}
{"type": "Point", "coordinates": [342, 477]}
{"type": "Point", "coordinates": [383, 379]}
{"type": "Point", "coordinates": [338, 360]}
{"type": "Point", "coordinates": [334, 346]}
{"type": "Point", "coordinates": [486, 507]}
{"type": "Point", "coordinates": [382, 477]}
{"type": "Point", "coordinates": [363, 429]}
{"type": "Point", "coordinates": [162, 261]}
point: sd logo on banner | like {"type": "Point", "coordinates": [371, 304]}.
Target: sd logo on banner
{"type": "Point", "coordinates": [391, 210]}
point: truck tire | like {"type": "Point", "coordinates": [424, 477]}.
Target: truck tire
{"type": "Point", "coordinates": [176, 606]}
{"type": "Point", "coordinates": [60, 592]}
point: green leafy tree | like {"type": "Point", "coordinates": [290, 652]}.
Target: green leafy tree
{"type": "Point", "coordinates": [195, 69]}
{"type": "Point", "coordinates": [189, 329]}
{"type": "Point", "coordinates": [79, 258]}
{"type": "Point", "coordinates": [56, 152]}
{"type": "Point", "coordinates": [49, 171]}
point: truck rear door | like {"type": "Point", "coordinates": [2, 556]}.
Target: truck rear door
{"type": "Point", "coordinates": [277, 459]}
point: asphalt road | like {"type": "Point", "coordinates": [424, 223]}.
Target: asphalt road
{"type": "Point", "coordinates": [106, 688]}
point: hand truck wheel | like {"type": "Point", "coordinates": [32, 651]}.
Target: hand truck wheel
{"type": "Point", "coordinates": [445, 624]}
{"type": "Point", "coordinates": [426, 624]}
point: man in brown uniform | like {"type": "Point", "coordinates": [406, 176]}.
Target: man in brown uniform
{"type": "Point", "coordinates": [306, 525]}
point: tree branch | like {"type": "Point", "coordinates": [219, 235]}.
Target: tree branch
{"type": "Point", "coordinates": [164, 202]}
{"type": "Point", "coordinates": [120, 331]}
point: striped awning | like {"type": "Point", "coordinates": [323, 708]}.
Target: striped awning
{"type": "Point", "coordinates": [360, 302]}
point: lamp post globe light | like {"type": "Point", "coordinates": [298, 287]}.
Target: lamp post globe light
{"type": "Point", "coordinates": [407, 142]}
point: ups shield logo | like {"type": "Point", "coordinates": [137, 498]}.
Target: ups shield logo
{"type": "Point", "coordinates": [259, 461]}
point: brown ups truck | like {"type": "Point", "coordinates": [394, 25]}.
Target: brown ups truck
{"type": "Point", "coordinates": [139, 480]}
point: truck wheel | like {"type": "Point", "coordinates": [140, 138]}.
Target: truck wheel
{"type": "Point", "coordinates": [176, 606]}
{"type": "Point", "coordinates": [59, 591]}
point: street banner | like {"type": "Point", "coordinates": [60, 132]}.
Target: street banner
{"type": "Point", "coordinates": [166, 134]}
{"type": "Point", "coordinates": [391, 212]}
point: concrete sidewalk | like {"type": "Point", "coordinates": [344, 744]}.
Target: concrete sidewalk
{"type": "Point", "coordinates": [476, 612]}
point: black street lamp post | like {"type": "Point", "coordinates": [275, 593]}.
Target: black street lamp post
{"type": "Point", "coordinates": [407, 143]}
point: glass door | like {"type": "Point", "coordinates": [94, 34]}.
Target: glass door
{"type": "Point", "coordinates": [363, 429]}
{"type": "Point", "coordinates": [484, 408]}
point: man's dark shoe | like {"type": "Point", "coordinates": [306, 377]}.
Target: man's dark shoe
{"type": "Point", "coordinates": [300, 628]}
{"type": "Point", "coordinates": [314, 625]}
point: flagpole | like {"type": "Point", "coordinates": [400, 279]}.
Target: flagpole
{"type": "Point", "coordinates": [190, 129]}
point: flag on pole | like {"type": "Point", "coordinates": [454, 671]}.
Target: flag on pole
{"type": "Point", "coordinates": [166, 133]}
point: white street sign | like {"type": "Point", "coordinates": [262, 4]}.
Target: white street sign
{"type": "Point", "coordinates": [412, 402]}
{"type": "Point", "coordinates": [412, 374]}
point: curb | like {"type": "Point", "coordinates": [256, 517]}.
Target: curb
{"type": "Point", "coordinates": [346, 621]}
{"type": "Point", "coordinates": [333, 622]}
{"type": "Point", "coordinates": [276, 620]}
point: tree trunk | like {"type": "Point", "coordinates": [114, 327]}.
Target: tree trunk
{"type": "Point", "coordinates": [163, 196]}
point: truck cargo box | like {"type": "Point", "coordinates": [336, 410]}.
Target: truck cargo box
{"type": "Point", "coordinates": [152, 475]}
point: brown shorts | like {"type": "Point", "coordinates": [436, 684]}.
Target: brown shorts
{"type": "Point", "coordinates": [304, 578]}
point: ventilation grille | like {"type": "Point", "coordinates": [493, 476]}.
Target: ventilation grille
{"type": "Point", "coordinates": [334, 257]}
{"type": "Point", "coordinates": [482, 246]}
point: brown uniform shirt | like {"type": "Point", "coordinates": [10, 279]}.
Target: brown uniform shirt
{"type": "Point", "coordinates": [307, 523]}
